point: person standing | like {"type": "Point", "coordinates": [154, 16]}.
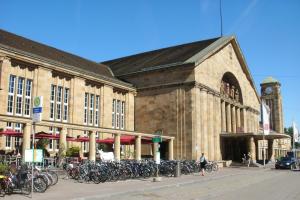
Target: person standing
{"type": "Point", "coordinates": [202, 163]}
{"type": "Point", "coordinates": [249, 158]}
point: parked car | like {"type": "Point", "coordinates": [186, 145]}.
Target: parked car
{"type": "Point", "coordinates": [285, 163]}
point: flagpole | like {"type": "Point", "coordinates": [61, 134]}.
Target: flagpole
{"type": "Point", "coordinates": [264, 150]}
{"type": "Point", "coordinates": [294, 129]}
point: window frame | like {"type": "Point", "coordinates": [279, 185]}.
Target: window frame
{"type": "Point", "coordinates": [11, 94]}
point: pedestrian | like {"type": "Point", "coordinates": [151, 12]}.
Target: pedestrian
{"type": "Point", "coordinates": [244, 159]}
{"type": "Point", "coordinates": [249, 158]}
{"type": "Point", "coordinates": [202, 163]}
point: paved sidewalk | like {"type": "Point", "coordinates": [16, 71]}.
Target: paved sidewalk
{"type": "Point", "coordinates": [213, 185]}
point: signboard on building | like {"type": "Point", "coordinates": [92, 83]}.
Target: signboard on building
{"type": "Point", "coordinates": [37, 109]}
{"type": "Point", "coordinates": [37, 156]}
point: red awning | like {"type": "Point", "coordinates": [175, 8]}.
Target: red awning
{"type": "Point", "coordinates": [82, 139]}
{"type": "Point", "coordinates": [12, 133]}
{"type": "Point", "coordinates": [125, 139]}
{"type": "Point", "coordinates": [44, 135]}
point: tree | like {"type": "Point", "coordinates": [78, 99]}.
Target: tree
{"type": "Point", "coordinates": [289, 131]}
{"type": "Point", "coordinates": [42, 144]}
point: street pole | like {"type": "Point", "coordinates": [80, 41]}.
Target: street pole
{"type": "Point", "coordinates": [32, 164]}
{"type": "Point", "coordinates": [264, 150]}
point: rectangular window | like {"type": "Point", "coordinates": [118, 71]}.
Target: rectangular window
{"type": "Point", "coordinates": [8, 139]}
{"type": "Point", "coordinates": [85, 107]}
{"type": "Point", "coordinates": [52, 101]}
{"type": "Point", "coordinates": [66, 102]}
{"type": "Point", "coordinates": [113, 113]}
{"type": "Point", "coordinates": [97, 111]}
{"type": "Point", "coordinates": [58, 103]}
{"type": "Point", "coordinates": [28, 97]}
{"type": "Point", "coordinates": [51, 142]}
{"type": "Point", "coordinates": [19, 96]}
{"type": "Point", "coordinates": [91, 110]}
{"type": "Point", "coordinates": [85, 144]}
{"type": "Point", "coordinates": [122, 115]}
{"type": "Point", "coordinates": [11, 90]}
{"type": "Point", "coordinates": [18, 128]}
{"type": "Point", "coordinates": [118, 115]}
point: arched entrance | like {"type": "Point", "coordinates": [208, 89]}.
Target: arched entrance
{"type": "Point", "coordinates": [232, 117]}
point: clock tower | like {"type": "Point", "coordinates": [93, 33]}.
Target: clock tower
{"type": "Point", "coordinates": [270, 93]}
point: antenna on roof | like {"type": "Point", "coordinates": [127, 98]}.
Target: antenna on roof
{"type": "Point", "coordinates": [221, 18]}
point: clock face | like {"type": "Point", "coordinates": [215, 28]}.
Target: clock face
{"type": "Point", "coordinates": [269, 90]}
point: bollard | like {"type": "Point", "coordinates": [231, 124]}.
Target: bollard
{"type": "Point", "coordinates": [177, 169]}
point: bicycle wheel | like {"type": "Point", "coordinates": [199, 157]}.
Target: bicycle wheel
{"type": "Point", "coordinates": [39, 184]}
{"type": "Point", "coordinates": [208, 168]}
{"type": "Point", "coordinates": [26, 189]}
{"type": "Point", "coordinates": [215, 167]}
{"type": "Point", "coordinates": [54, 177]}
{"type": "Point", "coordinates": [2, 188]}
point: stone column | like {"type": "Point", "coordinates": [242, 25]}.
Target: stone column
{"type": "Point", "coordinates": [228, 118]}
{"type": "Point", "coordinates": [210, 122]}
{"type": "Point", "coordinates": [223, 118]}
{"type": "Point", "coordinates": [252, 148]}
{"type": "Point", "coordinates": [138, 147]}
{"type": "Point", "coordinates": [117, 147]}
{"type": "Point", "coordinates": [233, 119]}
{"type": "Point", "coordinates": [204, 124]}
{"type": "Point", "coordinates": [217, 128]}
{"type": "Point", "coordinates": [271, 150]}
{"type": "Point", "coordinates": [92, 146]}
{"type": "Point", "coordinates": [244, 123]}
{"type": "Point", "coordinates": [26, 139]}
{"type": "Point", "coordinates": [62, 144]}
{"type": "Point", "coordinates": [170, 145]}
{"type": "Point", "coordinates": [238, 119]}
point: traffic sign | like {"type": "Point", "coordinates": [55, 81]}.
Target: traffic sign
{"type": "Point", "coordinates": [156, 139]}
{"type": "Point", "coordinates": [37, 109]}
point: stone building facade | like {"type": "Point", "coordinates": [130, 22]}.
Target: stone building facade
{"type": "Point", "coordinates": [200, 96]}
{"type": "Point", "coordinates": [80, 98]}
{"type": "Point", "coordinates": [201, 93]}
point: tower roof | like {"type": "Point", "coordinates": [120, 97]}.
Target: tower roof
{"type": "Point", "coordinates": [270, 79]}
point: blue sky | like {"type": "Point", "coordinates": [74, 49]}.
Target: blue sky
{"type": "Point", "coordinates": [268, 31]}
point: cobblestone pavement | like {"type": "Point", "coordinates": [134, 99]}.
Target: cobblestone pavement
{"type": "Point", "coordinates": [227, 184]}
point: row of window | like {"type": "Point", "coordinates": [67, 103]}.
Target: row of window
{"type": "Point", "coordinates": [19, 103]}
{"type": "Point", "coordinates": [19, 96]}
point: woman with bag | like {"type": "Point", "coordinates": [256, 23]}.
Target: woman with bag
{"type": "Point", "coordinates": [202, 163]}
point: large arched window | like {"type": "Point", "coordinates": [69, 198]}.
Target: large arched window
{"type": "Point", "coordinates": [230, 88]}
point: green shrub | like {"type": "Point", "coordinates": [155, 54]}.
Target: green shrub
{"type": "Point", "coordinates": [3, 168]}
{"type": "Point", "coordinates": [73, 152]}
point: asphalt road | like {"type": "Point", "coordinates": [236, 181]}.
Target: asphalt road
{"type": "Point", "coordinates": [227, 184]}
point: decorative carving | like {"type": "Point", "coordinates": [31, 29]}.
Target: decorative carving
{"type": "Point", "coordinates": [237, 95]}
{"type": "Point", "coordinates": [232, 92]}
{"type": "Point", "coordinates": [227, 90]}
{"type": "Point", "coordinates": [222, 89]}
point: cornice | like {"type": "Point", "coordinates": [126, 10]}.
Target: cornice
{"type": "Point", "coordinates": [54, 65]}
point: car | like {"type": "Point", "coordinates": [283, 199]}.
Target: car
{"type": "Point", "coordinates": [285, 163]}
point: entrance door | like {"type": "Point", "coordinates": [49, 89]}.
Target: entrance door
{"type": "Point", "coordinates": [234, 148]}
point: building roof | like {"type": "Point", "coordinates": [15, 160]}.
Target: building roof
{"type": "Point", "coordinates": [270, 79]}
{"type": "Point", "coordinates": [161, 57]}
{"type": "Point", "coordinates": [29, 47]}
